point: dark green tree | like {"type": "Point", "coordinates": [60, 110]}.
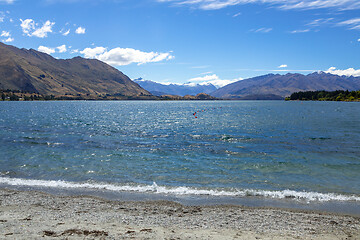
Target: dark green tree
{"type": "Point", "coordinates": [13, 97]}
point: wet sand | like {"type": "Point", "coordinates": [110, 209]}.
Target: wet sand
{"type": "Point", "coordinates": [36, 215]}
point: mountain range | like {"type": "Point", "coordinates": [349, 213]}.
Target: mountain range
{"type": "Point", "coordinates": [276, 86]}
{"type": "Point", "coordinates": [159, 89]}
{"type": "Point", "coordinates": [37, 72]}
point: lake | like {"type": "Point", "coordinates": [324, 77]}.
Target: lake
{"type": "Point", "coordinates": [302, 151]}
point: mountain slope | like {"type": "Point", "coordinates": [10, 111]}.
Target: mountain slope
{"type": "Point", "coordinates": [174, 89]}
{"type": "Point", "coordinates": [278, 86]}
{"type": "Point", "coordinates": [33, 71]}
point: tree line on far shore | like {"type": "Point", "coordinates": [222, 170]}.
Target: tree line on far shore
{"type": "Point", "coordinates": [18, 95]}
{"type": "Point", "coordinates": [339, 95]}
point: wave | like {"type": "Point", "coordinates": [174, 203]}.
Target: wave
{"type": "Point", "coordinates": [154, 188]}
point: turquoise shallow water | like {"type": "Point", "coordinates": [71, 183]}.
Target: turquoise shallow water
{"type": "Point", "coordinates": [273, 149]}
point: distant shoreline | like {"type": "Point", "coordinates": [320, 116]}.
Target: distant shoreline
{"type": "Point", "coordinates": [10, 95]}
{"type": "Point", "coordinates": [324, 96]}
{"type": "Point", "coordinates": [135, 99]}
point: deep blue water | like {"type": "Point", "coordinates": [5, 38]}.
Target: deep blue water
{"type": "Point", "coordinates": [303, 150]}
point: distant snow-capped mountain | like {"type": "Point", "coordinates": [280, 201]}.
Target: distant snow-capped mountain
{"type": "Point", "coordinates": [159, 89]}
{"type": "Point", "coordinates": [276, 86]}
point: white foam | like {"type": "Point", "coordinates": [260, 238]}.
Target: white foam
{"type": "Point", "coordinates": [154, 188]}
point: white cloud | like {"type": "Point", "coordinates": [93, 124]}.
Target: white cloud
{"type": "Point", "coordinates": [316, 4]}
{"type": "Point", "coordinates": [359, 40]}
{"type": "Point", "coordinates": [74, 51]}
{"type": "Point", "coordinates": [352, 23]}
{"type": "Point", "coordinates": [311, 26]}
{"type": "Point", "coordinates": [282, 4]}
{"type": "Point", "coordinates": [3, 15]}
{"type": "Point", "coordinates": [5, 34]}
{"type": "Point", "coordinates": [50, 50]}
{"type": "Point", "coordinates": [262, 30]}
{"type": "Point", "coordinates": [29, 27]}
{"type": "Point", "coordinates": [80, 30]}
{"type": "Point", "coordinates": [46, 49]}
{"type": "Point", "coordinates": [347, 72]}
{"type": "Point", "coordinates": [10, 39]}
{"type": "Point", "coordinates": [93, 52]}
{"type": "Point", "coordinates": [124, 56]}
{"type": "Point", "coordinates": [66, 33]}
{"type": "Point", "coordinates": [214, 80]}
{"type": "Point", "coordinates": [205, 78]}
{"type": "Point", "coordinates": [7, 1]}
{"type": "Point", "coordinates": [237, 14]}
{"type": "Point", "coordinates": [283, 66]}
{"type": "Point", "coordinates": [44, 30]}
{"type": "Point", "coordinates": [62, 48]}
{"type": "Point", "coordinates": [319, 22]}
{"type": "Point", "coordinates": [300, 31]}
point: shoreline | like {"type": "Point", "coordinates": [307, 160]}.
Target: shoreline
{"type": "Point", "coordinates": [285, 199]}
{"type": "Point", "coordinates": [34, 214]}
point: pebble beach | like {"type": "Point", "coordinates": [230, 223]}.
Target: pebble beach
{"type": "Point", "coordinates": [37, 215]}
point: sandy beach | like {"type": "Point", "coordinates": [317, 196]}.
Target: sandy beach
{"type": "Point", "coordinates": [35, 215]}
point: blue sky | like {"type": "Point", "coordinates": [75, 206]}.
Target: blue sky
{"type": "Point", "coordinates": [178, 41]}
